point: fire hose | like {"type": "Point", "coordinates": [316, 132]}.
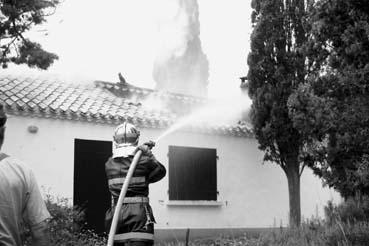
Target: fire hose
{"type": "Point", "coordinates": [123, 192]}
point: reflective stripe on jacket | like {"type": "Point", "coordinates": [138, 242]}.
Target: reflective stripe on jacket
{"type": "Point", "coordinates": [148, 170]}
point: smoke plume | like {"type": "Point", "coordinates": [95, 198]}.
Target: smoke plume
{"type": "Point", "coordinates": [181, 66]}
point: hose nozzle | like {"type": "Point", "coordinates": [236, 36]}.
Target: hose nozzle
{"type": "Point", "coordinates": [151, 144]}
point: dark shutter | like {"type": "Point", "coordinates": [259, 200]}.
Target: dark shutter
{"type": "Point", "coordinates": [192, 173]}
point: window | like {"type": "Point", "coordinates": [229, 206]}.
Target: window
{"type": "Point", "coordinates": [192, 173]}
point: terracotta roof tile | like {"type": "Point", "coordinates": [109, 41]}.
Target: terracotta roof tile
{"type": "Point", "coordinates": [101, 102]}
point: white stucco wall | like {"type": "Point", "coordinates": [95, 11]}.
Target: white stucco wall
{"type": "Point", "coordinates": [252, 194]}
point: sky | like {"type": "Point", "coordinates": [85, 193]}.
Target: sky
{"type": "Point", "coordinates": [96, 41]}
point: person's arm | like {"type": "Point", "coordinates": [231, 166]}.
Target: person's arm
{"type": "Point", "coordinates": [158, 172]}
{"type": "Point", "coordinates": [40, 234]}
{"type": "Point", "coordinates": [36, 214]}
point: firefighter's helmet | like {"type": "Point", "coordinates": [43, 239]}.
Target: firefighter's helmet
{"type": "Point", "coordinates": [126, 134]}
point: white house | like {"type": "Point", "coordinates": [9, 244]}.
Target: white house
{"type": "Point", "coordinates": [215, 181]}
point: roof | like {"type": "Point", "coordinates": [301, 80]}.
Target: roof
{"type": "Point", "coordinates": [102, 102]}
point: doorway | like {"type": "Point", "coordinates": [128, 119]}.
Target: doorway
{"type": "Point", "coordinates": [91, 193]}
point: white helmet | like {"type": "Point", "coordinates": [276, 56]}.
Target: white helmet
{"type": "Point", "coordinates": [125, 138]}
{"type": "Point", "coordinates": [126, 133]}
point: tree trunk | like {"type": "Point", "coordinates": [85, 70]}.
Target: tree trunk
{"type": "Point", "coordinates": [293, 178]}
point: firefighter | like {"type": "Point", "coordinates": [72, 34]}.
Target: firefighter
{"type": "Point", "coordinates": [136, 221]}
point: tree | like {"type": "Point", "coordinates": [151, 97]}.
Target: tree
{"type": "Point", "coordinates": [16, 18]}
{"type": "Point", "coordinates": [331, 109]}
{"type": "Point", "coordinates": [276, 68]}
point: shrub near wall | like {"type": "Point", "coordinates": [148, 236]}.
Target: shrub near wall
{"type": "Point", "coordinates": [348, 222]}
{"type": "Point", "coordinates": [67, 227]}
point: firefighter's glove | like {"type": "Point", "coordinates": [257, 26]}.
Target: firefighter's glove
{"type": "Point", "coordinates": [146, 150]}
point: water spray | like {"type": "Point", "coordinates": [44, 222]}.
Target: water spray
{"type": "Point", "coordinates": [179, 124]}
{"type": "Point", "coordinates": [222, 111]}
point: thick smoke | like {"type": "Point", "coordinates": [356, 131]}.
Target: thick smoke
{"type": "Point", "coordinates": [181, 66]}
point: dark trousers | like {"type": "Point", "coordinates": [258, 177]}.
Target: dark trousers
{"type": "Point", "coordinates": [133, 218]}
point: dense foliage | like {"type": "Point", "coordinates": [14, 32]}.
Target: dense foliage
{"type": "Point", "coordinates": [331, 110]}
{"type": "Point", "coordinates": [276, 68]}
{"type": "Point", "coordinates": [309, 83]}
{"type": "Point", "coordinates": [16, 18]}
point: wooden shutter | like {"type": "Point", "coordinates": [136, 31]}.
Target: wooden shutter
{"type": "Point", "coordinates": [192, 173]}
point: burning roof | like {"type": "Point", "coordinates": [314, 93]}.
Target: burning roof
{"type": "Point", "coordinates": [104, 102]}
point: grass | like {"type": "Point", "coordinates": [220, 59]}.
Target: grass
{"type": "Point", "coordinates": [344, 225]}
{"type": "Point", "coordinates": [309, 234]}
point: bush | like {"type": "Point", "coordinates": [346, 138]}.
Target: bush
{"type": "Point", "coordinates": [355, 234]}
{"type": "Point", "coordinates": [67, 227]}
{"type": "Point", "coordinates": [348, 222]}
{"type": "Point", "coordinates": [354, 209]}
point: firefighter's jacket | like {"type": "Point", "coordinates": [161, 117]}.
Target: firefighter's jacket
{"type": "Point", "coordinates": [136, 219]}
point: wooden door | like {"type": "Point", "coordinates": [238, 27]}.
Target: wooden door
{"type": "Point", "coordinates": [91, 193]}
